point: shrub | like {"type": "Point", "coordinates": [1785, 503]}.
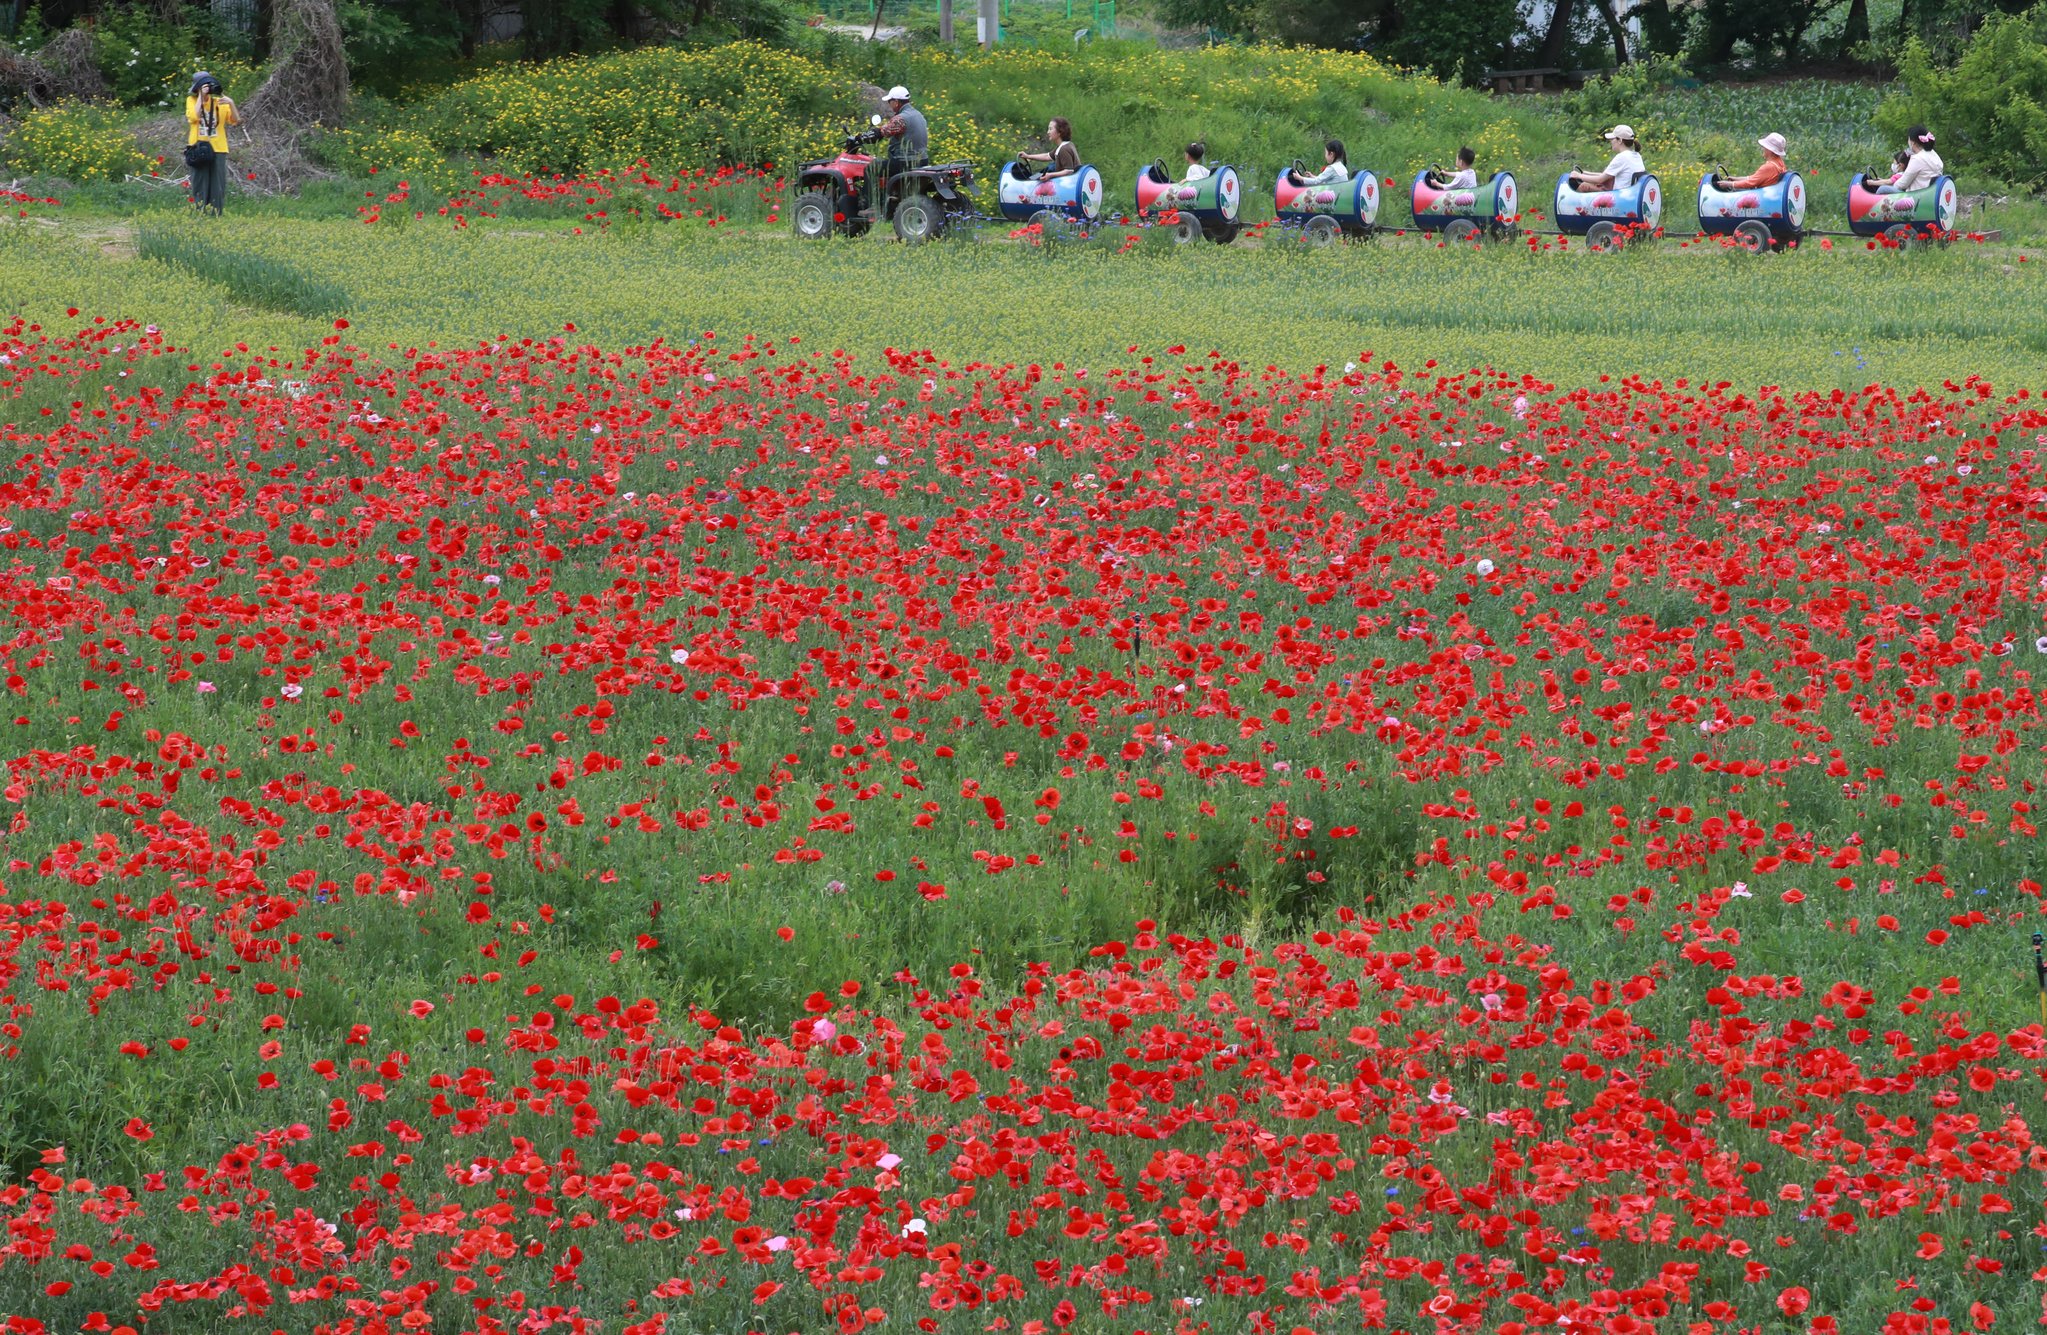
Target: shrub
{"type": "Point", "coordinates": [1990, 108]}
{"type": "Point", "coordinates": [1130, 102]}
{"type": "Point", "coordinates": [77, 141]}
{"type": "Point", "coordinates": [143, 58]}
{"type": "Point", "coordinates": [741, 103]}
{"type": "Point", "coordinates": [391, 152]}
{"type": "Point", "coordinates": [1631, 95]}
{"type": "Point", "coordinates": [1256, 107]}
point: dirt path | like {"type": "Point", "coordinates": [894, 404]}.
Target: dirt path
{"type": "Point", "coordinates": [109, 239]}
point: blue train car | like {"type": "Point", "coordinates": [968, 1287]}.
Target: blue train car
{"type": "Point", "coordinates": [1074, 199]}
{"type": "Point", "coordinates": [1600, 215]}
{"type": "Point", "coordinates": [1760, 217]}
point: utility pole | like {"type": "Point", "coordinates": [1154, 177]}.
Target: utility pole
{"type": "Point", "coordinates": [945, 21]}
{"type": "Point", "coordinates": [989, 21]}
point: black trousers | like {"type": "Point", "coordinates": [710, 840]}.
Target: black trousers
{"type": "Point", "coordinates": [209, 184]}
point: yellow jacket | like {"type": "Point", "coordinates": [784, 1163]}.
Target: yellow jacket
{"type": "Point", "coordinates": [218, 138]}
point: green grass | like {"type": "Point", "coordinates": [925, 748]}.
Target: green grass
{"type": "Point", "coordinates": [266, 281]}
{"type": "Point", "coordinates": [1842, 318]}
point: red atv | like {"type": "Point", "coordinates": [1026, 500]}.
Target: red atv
{"type": "Point", "coordinates": [837, 195]}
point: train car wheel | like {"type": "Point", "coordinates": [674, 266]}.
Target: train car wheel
{"type": "Point", "coordinates": [1460, 231]}
{"type": "Point", "coordinates": [1752, 236]}
{"type": "Point", "coordinates": [811, 216]}
{"type": "Point", "coordinates": [1321, 232]}
{"type": "Point", "coordinates": [919, 219]}
{"type": "Point", "coordinates": [1901, 235]}
{"type": "Point", "coordinates": [1223, 234]}
{"type": "Point", "coordinates": [1604, 238]}
{"type": "Point", "coordinates": [1051, 226]}
{"type": "Point", "coordinates": [1187, 228]}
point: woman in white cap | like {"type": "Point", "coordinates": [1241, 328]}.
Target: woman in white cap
{"type": "Point", "coordinates": [1772, 170]}
{"type": "Point", "coordinates": [1621, 170]}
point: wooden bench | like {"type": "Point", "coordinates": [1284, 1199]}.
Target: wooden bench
{"type": "Point", "coordinates": [1520, 81]}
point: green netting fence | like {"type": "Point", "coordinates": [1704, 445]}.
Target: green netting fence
{"type": "Point", "coordinates": [1025, 21]}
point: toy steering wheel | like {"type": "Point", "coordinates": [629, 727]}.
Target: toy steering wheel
{"type": "Point", "coordinates": [1299, 171]}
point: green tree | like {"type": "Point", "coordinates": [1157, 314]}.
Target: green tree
{"type": "Point", "coordinates": [1468, 36]}
{"type": "Point", "coordinates": [1989, 108]}
{"type": "Point", "coordinates": [1449, 40]}
{"type": "Point", "coordinates": [1773, 30]}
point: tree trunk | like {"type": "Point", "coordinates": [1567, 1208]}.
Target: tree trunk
{"type": "Point", "coordinates": [1559, 35]}
{"type": "Point", "coordinates": [1615, 29]}
{"type": "Point", "coordinates": [876, 30]}
{"type": "Point", "coordinates": [469, 25]}
{"type": "Point", "coordinates": [945, 21]}
{"type": "Point", "coordinates": [1855, 28]}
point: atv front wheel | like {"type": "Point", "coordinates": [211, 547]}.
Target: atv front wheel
{"type": "Point", "coordinates": [811, 216]}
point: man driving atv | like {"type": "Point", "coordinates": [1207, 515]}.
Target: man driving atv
{"type": "Point", "coordinates": [909, 137]}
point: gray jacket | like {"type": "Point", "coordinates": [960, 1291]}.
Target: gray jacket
{"type": "Point", "coordinates": [914, 135]}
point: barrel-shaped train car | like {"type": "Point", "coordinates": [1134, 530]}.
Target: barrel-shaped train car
{"type": "Point", "coordinates": [1607, 217]}
{"type": "Point", "coordinates": [1069, 201]}
{"type": "Point", "coordinates": [1209, 207]}
{"type": "Point", "coordinates": [1758, 218]}
{"type": "Point", "coordinates": [1329, 210]}
{"type": "Point", "coordinates": [1461, 213]}
{"type": "Point", "coordinates": [1927, 214]}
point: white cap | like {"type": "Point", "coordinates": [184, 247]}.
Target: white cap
{"type": "Point", "coordinates": [896, 94]}
{"type": "Point", "coordinates": [1772, 143]}
{"type": "Point", "coordinates": [1620, 132]}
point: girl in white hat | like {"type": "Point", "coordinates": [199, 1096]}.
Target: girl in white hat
{"type": "Point", "coordinates": [1621, 170]}
{"type": "Point", "coordinates": [1772, 170]}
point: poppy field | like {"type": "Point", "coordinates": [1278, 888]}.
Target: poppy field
{"type": "Point", "coordinates": [716, 835]}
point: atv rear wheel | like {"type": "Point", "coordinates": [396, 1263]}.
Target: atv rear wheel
{"type": "Point", "coordinates": [919, 218]}
{"type": "Point", "coordinates": [811, 216]}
